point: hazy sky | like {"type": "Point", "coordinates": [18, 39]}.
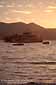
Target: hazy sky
{"type": "Point", "coordinates": [42, 12]}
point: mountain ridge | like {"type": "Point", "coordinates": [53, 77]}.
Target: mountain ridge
{"type": "Point", "coordinates": [7, 29]}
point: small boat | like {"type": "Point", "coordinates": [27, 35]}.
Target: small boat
{"type": "Point", "coordinates": [46, 42]}
{"type": "Point", "coordinates": [18, 44]}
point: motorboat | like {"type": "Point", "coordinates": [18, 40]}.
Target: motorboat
{"type": "Point", "coordinates": [18, 44]}
{"type": "Point", "coordinates": [46, 42]}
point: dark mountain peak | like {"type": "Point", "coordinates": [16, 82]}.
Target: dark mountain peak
{"type": "Point", "coordinates": [2, 23]}
{"type": "Point", "coordinates": [34, 25]}
{"type": "Point", "coordinates": [7, 29]}
{"type": "Point", "coordinates": [20, 23]}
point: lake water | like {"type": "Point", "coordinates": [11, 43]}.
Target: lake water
{"type": "Point", "coordinates": [31, 62]}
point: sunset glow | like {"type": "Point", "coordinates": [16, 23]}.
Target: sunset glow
{"type": "Point", "coordinates": [42, 12]}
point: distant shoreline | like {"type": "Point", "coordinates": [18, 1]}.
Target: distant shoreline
{"type": "Point", "coordinates": [28, 83]}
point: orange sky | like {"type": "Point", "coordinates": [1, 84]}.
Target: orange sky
{"type": "Point", "coordinates": [42, 12]}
